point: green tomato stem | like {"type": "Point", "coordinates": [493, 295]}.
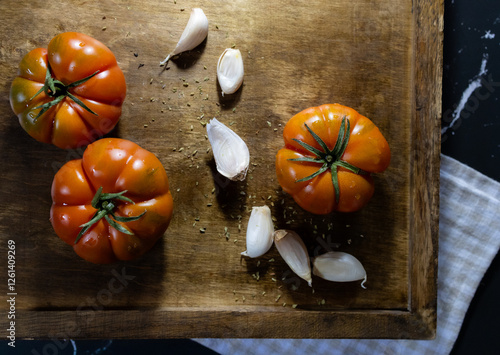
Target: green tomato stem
{"type": "Point", "coordinates": [58, 91]}
{"type": "Point", "coordinates": [329, 159]}
{"type": "Point", "coordinates": [104, 203]}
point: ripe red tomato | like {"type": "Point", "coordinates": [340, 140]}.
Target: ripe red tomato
{"type": "Point", "coordinates": [70, 93]}
{"type": "Point", "coordinates": [123, 190]}
{"type": "Point", "coordinates": [330, 152]}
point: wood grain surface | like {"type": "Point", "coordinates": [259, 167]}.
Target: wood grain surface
{"type": "Point", "coordinates": [383, 58]}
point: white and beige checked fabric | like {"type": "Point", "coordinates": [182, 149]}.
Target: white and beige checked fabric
{"type": "Point", "coordinates": [469, 240]}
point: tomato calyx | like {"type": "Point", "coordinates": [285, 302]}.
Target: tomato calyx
{"type": "Point", "coordinates": [329, 158]}
{"type": "Point", "coordinates": [58, 91]}
{"type": "Point", "coordinates": [105, 203]}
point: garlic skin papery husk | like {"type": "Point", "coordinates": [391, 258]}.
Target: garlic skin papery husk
{"type": "Point", "coordinates": [339, 267]}
{"type": "Point", "coordinates": [293, 250]}
{"type": "Point", "coordinates": [230, 71]}
{"type": "Point", "coordinates": [195, 32]}
{"type": "Point", "coordinates": [260, 231]}
{"type": "Point", "coordinates": [230, 151]}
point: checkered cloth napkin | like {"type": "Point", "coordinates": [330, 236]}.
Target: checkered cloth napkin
{"type": "Point", "coordinates": [469, 240]}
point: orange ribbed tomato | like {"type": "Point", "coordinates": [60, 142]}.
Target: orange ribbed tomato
{"type": "Point", "coordinates": [113, 204]}
{"type": "Point", "coordinates": [70, 93]}
{"type": "Point", "coordinates": [330, 152]}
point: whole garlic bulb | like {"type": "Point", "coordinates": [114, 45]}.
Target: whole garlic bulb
{"type": "Point", "coordinates": [194, 33]}
{"type": "Point", "coordinates": [259, 232]}
{"type": "Point", "coordinates": [230, 71]}
{"type": "Point", "coordinates": [230, 151]}
{"type": "Point", "coordinates": [293, 250]}
{"type": "Point", "coordinates": [339, 267]}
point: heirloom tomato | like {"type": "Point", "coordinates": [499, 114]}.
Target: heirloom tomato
{"type": "Point", "coordinates": [70, 93]}
{"type": "Point", "coordinates": [330, 152]}
{"type": "Point", "coordinates": [113, 204]}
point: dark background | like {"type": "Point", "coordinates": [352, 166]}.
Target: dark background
{"type": "Point", "coordinates": [475, 139]}
{"type": "Point", "coordinates": [471, 39]}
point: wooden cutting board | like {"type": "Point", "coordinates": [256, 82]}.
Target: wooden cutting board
{"type": "Point", "coordinates": [383, 58]}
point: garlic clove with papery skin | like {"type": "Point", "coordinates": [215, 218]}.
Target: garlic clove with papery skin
{"type": "Point", "coordinates": [194, 33]}
{"type": "Point", "coordinates": [259, 232]}
{"type": "Point", "coordinates": [230, 71]}
{"type": "Point", "coordinates": [231, 153]}
{"type": "Point", "coordinates": [293, 250]}
{"type": "Point", "coordinates": [339, 267]}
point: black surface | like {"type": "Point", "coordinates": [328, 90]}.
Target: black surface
{"type": "Point", "coordinates": [472, 35]}
{"type": "Point", "coordinates": [110, 347]}
{"type": "Point", "coordinates": [475, 139]}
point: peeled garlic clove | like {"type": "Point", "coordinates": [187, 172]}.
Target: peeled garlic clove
{"type": "Point", "coordinates": [195, 32]}
{"type": "Point", "coordinates": [339, 267]}
{"type": "Point", "coordinates": [293, 250]}
{"type": "Point", "coordinates": [259, 232]}
{"type": "Point", "coordinates": [230, 71]}
{"type": "Point", "coordinates": [230, 151]}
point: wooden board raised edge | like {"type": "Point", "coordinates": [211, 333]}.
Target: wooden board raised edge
{"type": "Point", "coordinates": [244, 322]}
{"type": "Point", "coordinates": [426, 164]}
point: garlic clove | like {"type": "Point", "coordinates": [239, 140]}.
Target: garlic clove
{"type": "Point", "coordinates": [339, 267]}
{"type": "Point", "coordinates": [194, 33]}
{"type": "Point", "coordinates": [293, 250]}
{"type": "Point", "coordinates": [259, 232]}
{"type": "Point", "coordinates": [230, 151]}
{"type": "Point", "coordinates": [230, 71]}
